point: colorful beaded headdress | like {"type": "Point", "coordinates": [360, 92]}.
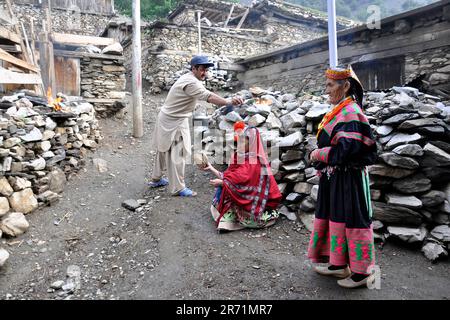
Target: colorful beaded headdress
{"type": "Point", "coordinates": [339, 73]}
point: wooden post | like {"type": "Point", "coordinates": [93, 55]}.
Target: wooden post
{"type": "Point", "coordinates": [199, 14]}
{"type": "Point", "coordinates": [138, 125]}
{"type": "Point", "coordinates": [46, 56]}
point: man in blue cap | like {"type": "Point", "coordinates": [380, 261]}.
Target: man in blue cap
{"type": "Point", "coordinates": [171, 138]}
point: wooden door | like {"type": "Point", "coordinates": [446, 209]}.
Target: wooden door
{"type": "Point", "coordinates": [67, 74]}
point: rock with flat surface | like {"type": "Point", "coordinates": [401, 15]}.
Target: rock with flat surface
{"type": "Point", "coordinates": [291, 140]}
{"type": "Point", "coordinates": [288, 214]}
{"type": "Point", "coordinates": [299, 165]}
{"type": "Point", "coordinates": [5, 187]}
{"type": "Point", "coordinates": [33, 135]}
{"type": "Point", "coordinates": [256, 120]}
{"type": "Point", "coordinates": [100, 164]}
{"type": "Point", "coordinates": [14, 224]}
{"type": "Point", "coordinates": [404, 201]}
{"type": "Point", "coordinates": [399, 118]}
{"type": "Point", "coordinates": [412, 150]}
{"type": "Point", "coordinates": [4, 255]}
{"type": "Point", "coordinates": [4, 206]}
{"type": "Point", "coordinates": [303, 187]}
{"type": "Point", "coordinates": [384, 130]}
{"type": "Point", "coordinates": [403, 138]}
{"type": "Point", "coordinates": [131, 204]}
{"type": "Point", "coordinates": [395, 215]}
{"type": "Point", "coordinates": [441, 233]}
{"type": "Point", "coordinates": [57, 180]}
{"type": "Point", "coordinates": [388, 171]}
{"type": "Point", "coordinates": [23, 201]}
{"type": "Point", "coordinates": [308, 204]}
{"type": "Point", "coordinates": [435, 157]}
{"type": "Point", "coordinates": [317, 112]}
{"type": "Point", "coordinates": [409, 235]}
{"type": "Point", "coordinates": [396, 160]}
{"type": "Point", "coordinates": [413, 184]}
{"type": "Point", "coordinates": [414, 124]}
{"type": "Point", "coordinates": [432, 198]}
{"type": "Point", "coordinates": [434, 251]}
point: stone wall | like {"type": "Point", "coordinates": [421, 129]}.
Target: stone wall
{"type": "Point", "coordinates": [63, 21]}
{"type": "Point", "coordinates": [39, 149]}
{"type": "Point", "coordinates": [103, 79]}
{"type": "Point", "coordinates": [421, 39]}
{"type": "Point", "coordinates": [431, 65]}
{"type": "Point", "coordinates": [168, 49]}
{"type": "Point", "coordinates": [410, 181]}
{"type": "Point", "coordinates": [285, 34]}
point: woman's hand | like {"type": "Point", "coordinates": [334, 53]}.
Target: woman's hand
{"type": "Point", "coordinates": [216, 182]}
{"type": "Point", "coordinates": [313, 156]}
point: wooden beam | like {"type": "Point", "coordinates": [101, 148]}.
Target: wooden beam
{"type": "Point", "coordinates": [5, 56]}
{"type": "Point", "coordinates": [76, 54]}
{"type": "Point", "coordinates": [11, 48]}
{"type": "Point", "coordinates": [11, 36]}
{"type": "Point", "coordinates": [64, 38]}
{"type": "Point", "coordinates": [9, 77]}
{"type": "Point", "coordinates": [229, 16]}
{"type": "Point", "coordinates": [243, 18]}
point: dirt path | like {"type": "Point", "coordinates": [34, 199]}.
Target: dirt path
{"type": "Point", "coordinates": [170, 249]}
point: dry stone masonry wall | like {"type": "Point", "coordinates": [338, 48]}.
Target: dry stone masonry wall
{"type": "Point", "coordinates": [39, 150]}
{"type": "Point", "coordinates": [63, 21]}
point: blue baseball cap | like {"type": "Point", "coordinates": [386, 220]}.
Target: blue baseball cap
{"type": "Point", "coordinates": [201, 60]}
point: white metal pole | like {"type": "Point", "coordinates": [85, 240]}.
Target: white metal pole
{"type": "Point", "coordinates": [332, 41]}
{"type": "Point", "coordinates": [199, 32]}
{"type": "Point", "coordinates": [138, 125]}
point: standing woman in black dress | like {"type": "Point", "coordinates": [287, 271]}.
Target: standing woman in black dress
{"type": "Point", "coordinates": [343, 234]}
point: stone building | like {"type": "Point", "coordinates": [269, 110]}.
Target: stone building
{"type": "Point", "coordinates": [84, 64]}
{"type": "Point", "coordinates": [412, 48]}
{"type": "Point", "coordinates": [228, 32]}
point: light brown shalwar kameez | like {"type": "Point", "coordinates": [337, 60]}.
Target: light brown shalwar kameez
{"type": "Point", "coordinates": [171, 138]}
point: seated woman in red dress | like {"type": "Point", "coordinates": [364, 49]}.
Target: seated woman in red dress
{"type": "Point", "coordinates": [247, 195]}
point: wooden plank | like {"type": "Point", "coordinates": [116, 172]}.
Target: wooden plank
{"type": "Point", "coordinates": [5, 56]}
{"type": "Point", "coordinates": [243, 18]}
{"type": "Point", "coordinates": [9, 35]}
{"type": "Point", "coordinates": [229, 16]}
{"type": "Point", "coordinates": [76, 54]}
{"type": "Point", "coordinates": [11, 48]}
{"type": "Point", "coordinates": [67, 75]}
{"type": "Point", "coordinates": [9, 77]}
{"type": "Point", "coordinates": [64, 38]}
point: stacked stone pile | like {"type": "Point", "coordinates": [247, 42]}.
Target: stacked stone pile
{"type": "Point", "coordinates": [39, 147]}
{"type": "Point", "coordinates": [410, 183]}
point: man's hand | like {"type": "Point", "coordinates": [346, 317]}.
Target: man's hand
{"type": "Point", "coordinates": [237, 101]}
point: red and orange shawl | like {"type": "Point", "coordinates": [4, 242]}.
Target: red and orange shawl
{"type": "Point", "coordinates": [248, 182]}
